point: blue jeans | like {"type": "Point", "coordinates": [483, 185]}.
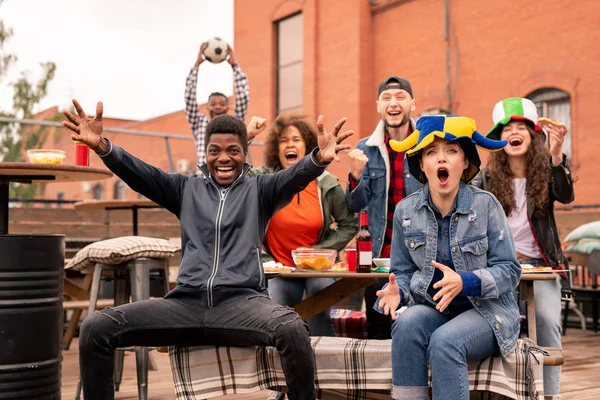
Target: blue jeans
{"type": "Point", "coordinates": [422, 335]}
{"type": "Point", "coordinates": [289, 292]}
{"type": "Point", "coordinates": [240, 320]}
{"type": "Point", "coordinates": [548, 305]}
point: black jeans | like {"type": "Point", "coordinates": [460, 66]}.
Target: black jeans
{"type": "Point", "coordinates": [237, 321]}
{"type": "Point", "coordinates": [379, 326]}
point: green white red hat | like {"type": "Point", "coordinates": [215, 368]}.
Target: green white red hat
{"type": "Point", "coordinates": [513, 109]}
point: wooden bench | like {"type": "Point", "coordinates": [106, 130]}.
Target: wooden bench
{"type": "Point", "coordinates": [343, 367]}
{"type": "Point", "coordinates": [85, 304]}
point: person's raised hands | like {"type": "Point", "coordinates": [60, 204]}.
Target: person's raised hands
{"type": "Point", "coordinates": [85, 129]}
{"type": "Point", "coordinates": [255, 126]}
{"type": "Point", "coordinates": [358, 161]}
{"type": "Point", "coordinates": [201, 56]}
{"type": "Point", "coordinates": [231, 59]}
{"type": "Point", "coordinates": [330, 142]}
{"type": "Point", "coordinates": [556, 138]}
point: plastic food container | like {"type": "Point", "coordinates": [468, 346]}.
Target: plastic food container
{"type": "Point", "coordinates": [41, 156]}
{"type": "Point", "coordinates": [314, 259]}
{"type": "Point", "coordinates": [382, 263]}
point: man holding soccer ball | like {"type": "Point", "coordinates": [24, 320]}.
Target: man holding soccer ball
{"type": "Point", "coordinates": [217, 102]}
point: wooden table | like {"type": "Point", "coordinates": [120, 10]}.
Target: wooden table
{"type": "Point", "coordinates": [346, 285]}
{"type": "Point", "coordinates": [527, 295]}
{"type": "Point", "coordinates": [133, 205]}
{"type": "Point", "coordinates": [39, 173]}
{"type": "Point", "coordinates": [349, 283]}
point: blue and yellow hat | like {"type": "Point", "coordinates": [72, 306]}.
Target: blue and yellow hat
{"type": "Point", "coordinates": [451, 128]}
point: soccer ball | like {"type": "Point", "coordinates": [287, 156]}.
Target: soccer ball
{"type": "Point", "coordinates": [216, 51]}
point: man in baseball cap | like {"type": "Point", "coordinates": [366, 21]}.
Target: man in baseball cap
{"type": "Point", "coordinates": [379, 178]}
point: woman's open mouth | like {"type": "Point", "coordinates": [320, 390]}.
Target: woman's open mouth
{"type": "Point", "coordinates": [291, 157]}
{"type": "Point", "coordinates": [443, 174]}
{"type": "Point", "coordinates": [515, 141]}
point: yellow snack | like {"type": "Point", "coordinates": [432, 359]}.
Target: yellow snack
{"type": "Point", "coordinates": [46, 156]}
{"type": "Point", "coordinates": [318, 263]}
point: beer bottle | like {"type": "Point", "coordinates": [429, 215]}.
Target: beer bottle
{"type": "Point", "coordinates": [364, 244]}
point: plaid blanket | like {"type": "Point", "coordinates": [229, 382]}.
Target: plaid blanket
{"type": "Point", "coordinates": [349, 323]}
{"type": "Point", "coordinates": [344, 368]}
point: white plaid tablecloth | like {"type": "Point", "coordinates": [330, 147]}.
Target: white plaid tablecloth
{"type": "Point", "coordinates": [344, 368]}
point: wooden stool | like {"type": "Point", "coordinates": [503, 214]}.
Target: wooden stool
{"type": "Point", "coordinates": [131, 277]}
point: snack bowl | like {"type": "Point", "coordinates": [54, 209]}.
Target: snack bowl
{"type": "Point", "coordinates": [314, 259]}
{"type": "Point", "coordinates": [44, 156]}
{"type": "Point", "coordinates": [382, 263]}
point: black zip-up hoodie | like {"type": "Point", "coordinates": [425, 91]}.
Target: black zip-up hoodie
{"type": "Point", "coordinates": [222, 229]}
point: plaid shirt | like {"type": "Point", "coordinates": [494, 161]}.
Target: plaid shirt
{"type": "Point", "coordinates": [395, 193]}
{"type": "Point", "coordinates": [198, 121]}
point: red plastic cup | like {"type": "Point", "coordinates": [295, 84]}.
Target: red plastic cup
{"type": "Point", "coordinates": [351, 259]}
{"type": "Point", "coordinates": [82, 154]}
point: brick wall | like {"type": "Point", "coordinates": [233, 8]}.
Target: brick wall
{"type": "Point", "coordinates": [504, 49]}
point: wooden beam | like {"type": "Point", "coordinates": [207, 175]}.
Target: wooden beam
{"type": "Point", "coordinates": [324, 299]}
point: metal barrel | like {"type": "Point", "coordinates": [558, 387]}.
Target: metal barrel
{"type": "Point", "coordinates": [31, 316]}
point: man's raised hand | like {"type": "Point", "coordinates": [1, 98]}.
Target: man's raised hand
{"type": "Point", "coordinates": [255, 126]}
{"type": "Point", "coordinates": [201, 56]}
{"type": "Point", "coordinates": [358, 161]}
{"type": "Point", "coordinates": [389, 298]}
{"type": "Point", "coordinates": [85, 129]}
{"type": "Point", "coordinates": [330, 142]}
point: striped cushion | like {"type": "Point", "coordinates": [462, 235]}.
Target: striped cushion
{"type": "Point", "coordinates": [120, 250]}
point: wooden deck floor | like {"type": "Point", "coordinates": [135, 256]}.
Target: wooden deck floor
{"type": "Point", "coordinates": [579, 376]}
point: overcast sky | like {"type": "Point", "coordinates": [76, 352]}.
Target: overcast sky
{"type": "Point", "coordinates": [134, 55]}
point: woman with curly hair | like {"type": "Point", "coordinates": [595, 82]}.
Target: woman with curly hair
{"type": "Point", "coordinates": [527, 178]}
{"type": "Point", "coordinates": [307, 221]}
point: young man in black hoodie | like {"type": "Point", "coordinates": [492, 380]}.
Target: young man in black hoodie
{"type": "Point", "coordinates": [221, 296]}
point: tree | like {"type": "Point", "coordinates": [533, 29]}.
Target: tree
{"type": "Point", "coordinates": [14, 138]}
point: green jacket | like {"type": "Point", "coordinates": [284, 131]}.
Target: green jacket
{"type": "Point", "coordinates": [333, 207]}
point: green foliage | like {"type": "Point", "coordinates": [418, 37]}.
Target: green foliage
{"type": "Point", "coordinates": [16, 138]}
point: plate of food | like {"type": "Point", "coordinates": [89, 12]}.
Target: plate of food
{"type": "Point", "coordinates": [530, 269]}
{"type": "Point", "coordinates": [272, 267]}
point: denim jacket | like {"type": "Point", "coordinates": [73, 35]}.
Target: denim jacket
{"type": "Point", "coordinates": [480, 241]}
{"type": "Point", "coordinates": [372, 190]}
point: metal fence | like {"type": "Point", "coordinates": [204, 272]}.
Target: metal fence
{"type": "Point", "coordinates": [166, 136]}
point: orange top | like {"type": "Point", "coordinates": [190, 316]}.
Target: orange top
{"type": "Point", "coordinates": [296, 225]}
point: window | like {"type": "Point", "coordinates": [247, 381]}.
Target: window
{"type": "Point", "coordinates": [119, 191]}
{"type": "Point", "coordinates": [290, 43]}
{"type": "Point", "coordinates": [555, 104]}
{"type": "Point", "coordinates": [98, 192]}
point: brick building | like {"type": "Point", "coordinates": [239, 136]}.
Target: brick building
{"type": "Point", "coordinates": [327, 57]}
{"type": "Point", "coordinates": [461, 56]}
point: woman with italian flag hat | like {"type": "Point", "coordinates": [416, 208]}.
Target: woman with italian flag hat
{"type": "Point", "coordinates": [527, 178]}
{"type": "Point", "coordinates": [453, 264]}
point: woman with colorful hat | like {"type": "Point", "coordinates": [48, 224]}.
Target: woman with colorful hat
{"type": "Point", "coordinates": [453, 265]}
{"type": "Point", "coordinates": [527, 178]}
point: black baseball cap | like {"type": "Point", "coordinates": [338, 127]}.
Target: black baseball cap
{"type": "Point", "coordinates": [394, 82]}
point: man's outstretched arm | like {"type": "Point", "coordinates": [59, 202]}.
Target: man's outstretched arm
{"type": "Point", "coordinates": [242, 91]}
{"type": "Point", "coordinates": [193, 115]}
